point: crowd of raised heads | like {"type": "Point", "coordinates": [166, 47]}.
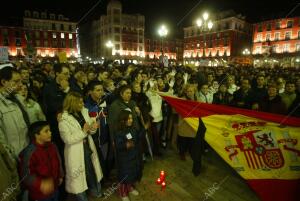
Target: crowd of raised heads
{"type": "Point", "coordinates": [68, 126]}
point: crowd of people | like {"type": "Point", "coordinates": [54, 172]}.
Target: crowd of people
{"type": "Point", "coordinates": [65, 127]}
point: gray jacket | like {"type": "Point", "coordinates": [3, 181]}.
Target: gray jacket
{"type": "Point", "coordinates": [13, 129]}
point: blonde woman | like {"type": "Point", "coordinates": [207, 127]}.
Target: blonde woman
{"type": "Point", "coordinates": [83, 170]}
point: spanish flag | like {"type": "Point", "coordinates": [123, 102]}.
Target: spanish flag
{"type": "Point", "coordinates": [263, 148]}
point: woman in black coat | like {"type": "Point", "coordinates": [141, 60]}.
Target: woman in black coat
{"type": "Point", "coordinates": [128, 155]}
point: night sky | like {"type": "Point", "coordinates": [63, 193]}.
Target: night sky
{"type": "Point", "coordinates": [175, 13]}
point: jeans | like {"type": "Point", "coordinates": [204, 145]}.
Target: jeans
{"type": "Point", "coordinates": [54, 197]}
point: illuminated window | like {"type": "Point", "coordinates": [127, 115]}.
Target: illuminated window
{"type": "Point", "coordinates": [290, 24]}
{"type": "Point", "coordinates": [269, 27]}
{"type": "Point", "coordinates": [286, 47]}
{"type": "Point", "coordinates": [62, 35]}
{"type": "Point", "coordinates": [277, 25]}
{"type": "Point", "coordinates": [298, 47]}
{"type": "Point", "coordinates": [53, 35]}
{"type": "Point", "coordinates": [258, 49]}
{"type": "Point", "coordinates": [277, 36]}
{"type": "Point", "coordinates": [268, 37]}
{"type": "Point", "coordinates": [70, 36]}
{"type": "Point", "coordinates": [288, 35]}
{"type": "Point", "coordinates": [258, 38]}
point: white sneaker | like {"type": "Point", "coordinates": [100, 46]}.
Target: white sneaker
{"type": "Point", "coordinates": [125, 198]}
{"type": "Point", "coordinates": [134, 192]}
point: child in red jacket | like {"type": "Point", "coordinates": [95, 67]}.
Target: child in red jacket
{"type": "Point", "coordinates": [40, 164]}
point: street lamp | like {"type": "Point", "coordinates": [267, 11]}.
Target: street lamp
{"type": "Point", "coordinates": [162, 32]}
{"type": "Point", "coordinates": [109, 45]}
{"type": "Point", "coordinates": [205, 25]}
{"type": "Point", "coordinates": [246, 51]}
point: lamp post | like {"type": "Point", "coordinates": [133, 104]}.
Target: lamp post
{"type": "Point", "coordinates": [204, 24]}
{"type": "Point", "coordinates": [162, 32]}
{"type": "Point", "coordinates": [109, 45]}
{"type": "Point", "coordinates": [246, 51]}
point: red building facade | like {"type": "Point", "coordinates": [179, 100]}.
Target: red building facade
{"type": "Point", "coordinates": [222, 44]}
{"type": "Point", "coordinates": [154, 48]}
{"type": "Point", "coordinates": [42, 35]}
{"type": "Point", "coordinates": [277, 42]}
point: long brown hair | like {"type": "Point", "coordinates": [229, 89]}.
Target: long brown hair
{"type": "Point", "coordinates": [71, 102]}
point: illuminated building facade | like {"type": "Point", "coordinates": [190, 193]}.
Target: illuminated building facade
{"type": "Point", "coordinates": [277, 42]}
{"type": "Point", "coordinates": [126, 33]}
{"type": "Point", "coordinates": [173, 49]}
{"type": "Point", "coordinates": [42, 35]}
{"type": "Point", "coordinates": [222, 44]}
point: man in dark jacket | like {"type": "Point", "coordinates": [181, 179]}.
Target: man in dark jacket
{"type": "Point", "coordinates": [97, 107]}
{"type": "Point", "coordinates": [243, 98]}
{"type": "Point", "coordinates": [273, 103]}
{"type": "Point", "coordinates": [53, 96]}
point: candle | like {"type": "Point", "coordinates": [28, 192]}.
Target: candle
{"type": "Point", "coordinates": [163, 185]}
{"type": "Point", "coordinates": [162, 175]}
{"type": "Point", "coordinates": [158, 181]}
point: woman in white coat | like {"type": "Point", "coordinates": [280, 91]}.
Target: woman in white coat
{"type": "Point", "coordinates": [83, 170]}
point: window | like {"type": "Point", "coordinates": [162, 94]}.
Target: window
{"type": "Point", "coordinates": [70, 36]}
{"type": "Point", "coordinates": [53, 35]}
{"type": "Point", "coordinates": [62, 28]}
{"type": "Point", "coordinates": [258, 50]}
{"type": "Point", "coordinates": [60, 17]}
{"type": "Point", "coordinates": [53, 26]}
{"type": "Point", "coordinates": [298, 47]}
{"type": "Point", "coordinates": [35, 14]}
{"type": "Point", "coordinates": [63, 43]}
{"type": "Point", "coordinates": [54, 43]}
{"type": "Point", "coordinates": [45, 35]}
{"type": "Point", "coordinates": [70, 28]}
{"type": "Point", "coordinates": [268, 27]}
{"type": "Point", "coordinates": [117, 29]}
{"type": "Point", "coordinates": [225, 41]}
{"type": "Point", "coordinates": [44, 15]}
{"type": "Point", "coordinates": [27, 13]}
{"type": "Point", "coordinates": [258, 38]}
{"type": "Point", "coordinates": [277, 25]}
{"type": "Point", "coordinates": [275, 48]}
{"type": "Point", "coordinates": [52, 16]}
{"type": "Point", "coordinates": [117, 20]}
{"type": "Point", "coordinates": [37, 34]}
{"type": "Point", "coordinates": [71, 43]}
{"type": "Point", "coordinates": [117, 46]}
{"type": "Point", "coordinates": [18, 42]}
{"type": "Point", "coordinates": [259, 28]}
{"type": "Point", "coordinates": [62, 35]}
{"type": "Point", "coordinates": [289, 24]}
{"type": "Point", "coordinates": [268, 37]}
{"type": "Point", "coordinates": [46, 43]}
{"type": "Point", "coordinates": [117, 38]}
{"type": "Point", "coordinates": [286, 47]}
{"type": "Point", "coordinates": [141, 48]}
{"type": "Point", "coordinates": [37, 43]}
{"type": "Point", "coordinates": [277, 36]}
{"type": "Point", "coordinates": [288, 35]}
{"type": "Point", "coordinates": [5, 41]}
{"type": "Point", "coordinates": [116, 11]}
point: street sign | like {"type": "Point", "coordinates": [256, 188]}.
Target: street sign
{"type": "Point", "coordinates": [3, 53]}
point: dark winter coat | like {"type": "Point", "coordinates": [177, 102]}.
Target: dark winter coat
{"type": "Point", "coordinates": [129, 162]}
{"type": "Point", "coordinates": [273, 106]}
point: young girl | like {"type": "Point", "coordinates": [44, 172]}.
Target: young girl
{"type": "Point", "coordinates": [128, 155]}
